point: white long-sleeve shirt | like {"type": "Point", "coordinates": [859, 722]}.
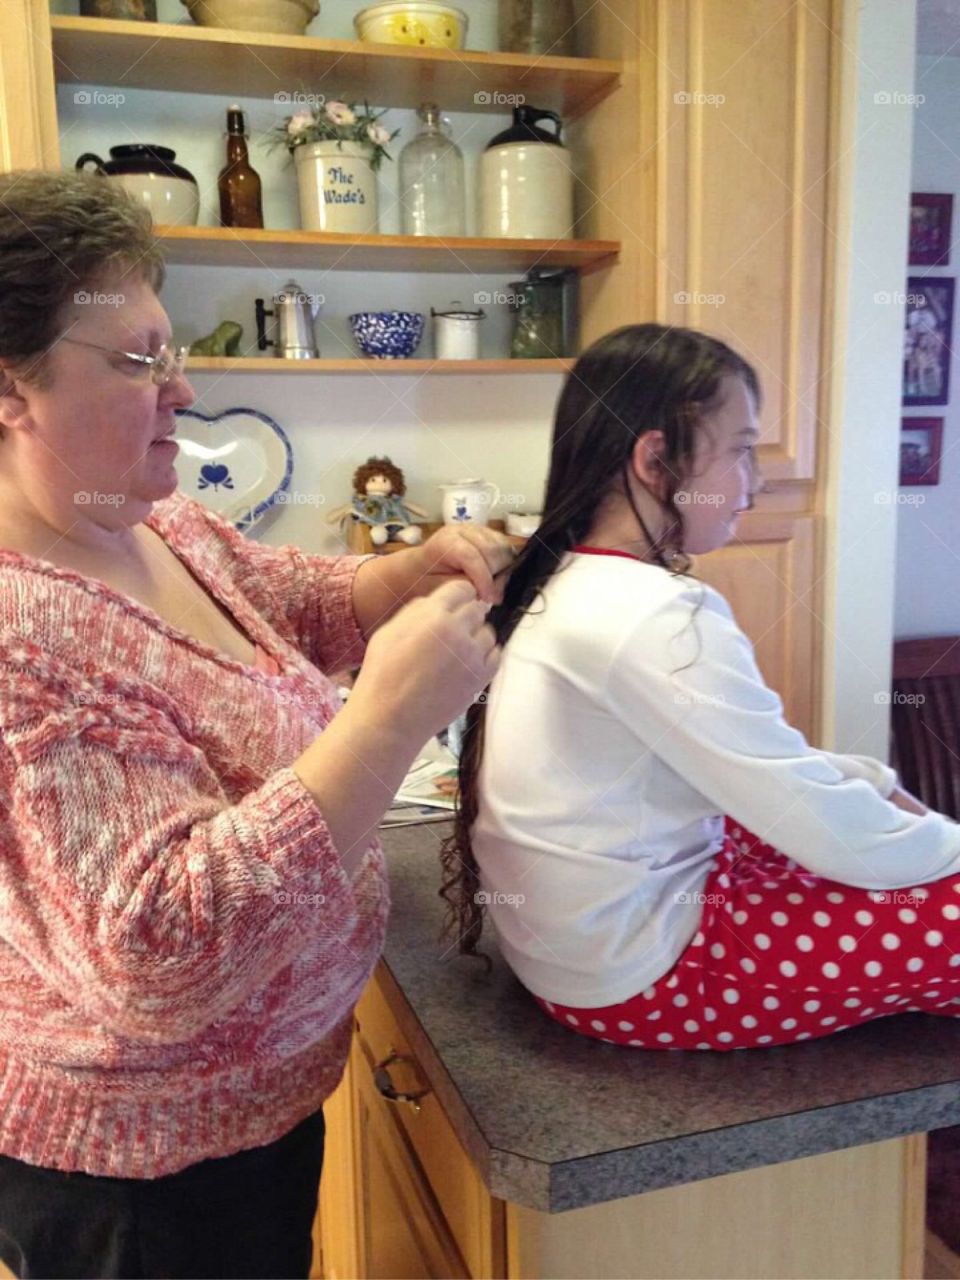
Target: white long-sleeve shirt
{"type": "Point", "coordinates": [627, 716]}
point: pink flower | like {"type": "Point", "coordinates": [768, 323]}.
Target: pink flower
{"type": "Point", "coordinates": [378, 135]}
{"type": "Point", "coordinates": [302, 120]}
{"type": "Point", "coordinates": [339, 113]}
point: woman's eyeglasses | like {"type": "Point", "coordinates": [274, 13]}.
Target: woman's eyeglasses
{"type": "Point", "coordinates": [167, 362]}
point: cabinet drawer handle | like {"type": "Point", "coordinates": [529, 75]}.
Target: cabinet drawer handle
{"type": "Point", "coordinates": [385, 1086]}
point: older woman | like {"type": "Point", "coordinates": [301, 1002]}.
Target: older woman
{"type": "Point", "coordinates": [192, 895]}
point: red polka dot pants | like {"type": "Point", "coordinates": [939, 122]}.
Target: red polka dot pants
{"type": "Point", "coordinates": [784, 955]}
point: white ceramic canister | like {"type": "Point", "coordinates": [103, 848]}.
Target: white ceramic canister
{"type": "Point", "coordinates": [526, 181]}
{"type": "Point", "coordinates": [468, 501]}
{"type": "Point", "coordinates": [456, 333]}
{"type": "Point", "coordinates": [337, 186]}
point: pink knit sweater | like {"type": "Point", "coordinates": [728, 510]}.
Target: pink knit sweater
{"type": "Point", "coordinates": [180, 948]}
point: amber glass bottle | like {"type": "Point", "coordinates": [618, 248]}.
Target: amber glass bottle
{"type": "Point", "coordinates": [241, 204]}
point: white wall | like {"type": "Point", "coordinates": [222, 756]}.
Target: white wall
{"type": "Point", "coordinates": [928, 532]}
{"type": "Point", "coordinates": [436, 428]}
{"type": "Point", "coordinates": [862, 451]}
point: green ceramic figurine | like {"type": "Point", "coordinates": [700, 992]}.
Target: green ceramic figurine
{"type": "Point", "coordinates": [224, 341]}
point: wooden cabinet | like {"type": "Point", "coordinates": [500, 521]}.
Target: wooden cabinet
{"type": "Point", "coordinates": [746, 187]}
{"type": "Point", "coordinates": [400, 1198]}
{"type": "Point", "coordinates": [403, 1233]}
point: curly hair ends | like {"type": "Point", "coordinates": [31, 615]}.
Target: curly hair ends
{"type": "Point", "coordinates": [61, 233]}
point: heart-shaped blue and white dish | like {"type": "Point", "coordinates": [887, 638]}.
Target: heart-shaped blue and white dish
{"type": "Point", "coordinates": [237, 462]}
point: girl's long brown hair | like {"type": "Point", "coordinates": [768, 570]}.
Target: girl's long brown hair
{"type": "Point", "coordinates": [641, 378]}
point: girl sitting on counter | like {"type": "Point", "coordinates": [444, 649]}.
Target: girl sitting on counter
{"type": "Point", "coordinates": [668, 863]}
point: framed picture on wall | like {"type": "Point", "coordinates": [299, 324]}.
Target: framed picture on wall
{"type": "Point", "coordinates": [930, 217]}
{"type": "Point", "coordinates": [921, 441]}
{"type": "Point", "coordinates": [928, 340]}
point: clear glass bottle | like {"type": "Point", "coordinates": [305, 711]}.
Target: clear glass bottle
{"type": "Point", "coordinates": [432, 199]}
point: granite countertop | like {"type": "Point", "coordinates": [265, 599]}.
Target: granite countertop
{"type": "Point", "coordinates": [555, 1121]}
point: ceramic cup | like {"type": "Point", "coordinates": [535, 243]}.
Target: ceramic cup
{"type": "Point", "coordinates": [523, 524]}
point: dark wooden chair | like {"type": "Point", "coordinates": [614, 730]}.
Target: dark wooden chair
{"type": "Point", "coordinates": [925, 720]}
{"type": "Point", "coordinates": [925, 751]}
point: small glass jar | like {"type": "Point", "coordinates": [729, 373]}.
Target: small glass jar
{"type": "Point", "coordinates": [539, 328]}
{"type": "Point", "coordinates": [538, 26]}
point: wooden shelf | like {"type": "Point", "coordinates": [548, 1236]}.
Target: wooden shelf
{"type": "Point", "coordinates": [192, 59]}
{"type": "Point", "coordinates": [243, 247]}
{"type": "Point", "coordinates": [276, 364]}
{"type": "Point", "coordinates": [359, 542]}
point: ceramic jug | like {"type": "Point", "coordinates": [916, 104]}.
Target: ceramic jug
{"type": "Point", "coordinates": [526, 181]}
{"type": "Point", "coordinates": [468, 501]}
{"type": "Point", "coordinates": [148, 172]}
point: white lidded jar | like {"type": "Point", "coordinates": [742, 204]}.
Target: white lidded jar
{"type": "Point", "coordinates": [456, 333]}
{"type": "Point", "coordinates": [526, 181]}
{"type": "Point", "coordinates": [432, 201]}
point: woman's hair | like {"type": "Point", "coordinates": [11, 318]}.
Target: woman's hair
{"type": "Point", "coordinates": [641, 378]}
{"type": "Point", "coordinates": [62, 234]}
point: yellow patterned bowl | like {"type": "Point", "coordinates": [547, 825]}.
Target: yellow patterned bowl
{"type": "Point", "coordinates": [413, 22]}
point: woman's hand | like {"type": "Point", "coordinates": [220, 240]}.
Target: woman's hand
{"type": "Point", "coordinates": [470, 551]}
{"type": "Point", "coordinates": [425, 666]}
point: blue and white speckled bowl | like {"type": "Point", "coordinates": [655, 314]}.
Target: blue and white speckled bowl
{"type": "Point", "coordinates": [388, 335]}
